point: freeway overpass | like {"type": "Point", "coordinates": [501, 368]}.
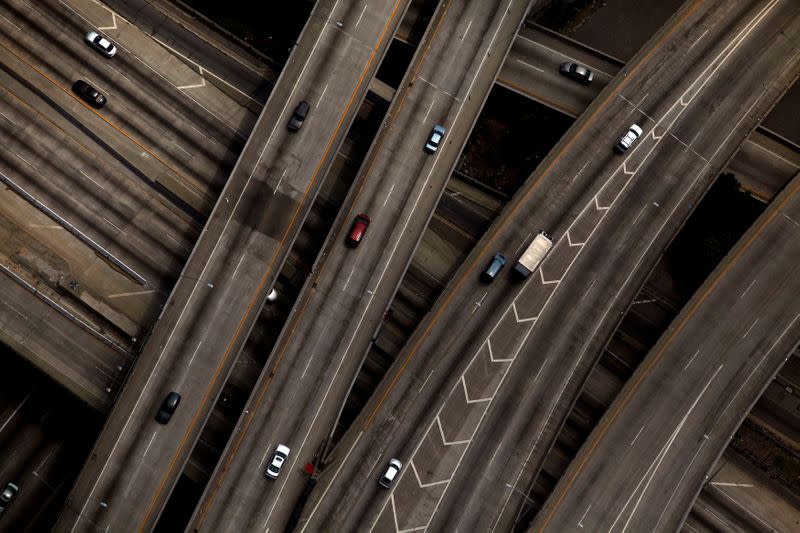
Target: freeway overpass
{"type": "Point", "coordinates": [314, 363]}
{"type": "Point", "coordinates": [647, 460]}
{"type": "Point", "coordinates": [473, 403]}
{"type": "Point", "coordinates": [215, 302]}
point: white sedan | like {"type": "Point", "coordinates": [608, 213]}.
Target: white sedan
{"type": "Point", "coordinates": [278, 458]}
{"type": "Point", "coordinates": [628, 139]}
{"type": "Point", "coordinates": [100, 43]}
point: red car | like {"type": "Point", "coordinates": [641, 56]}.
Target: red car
{"type": "Point", "coordinates": [360, 226]}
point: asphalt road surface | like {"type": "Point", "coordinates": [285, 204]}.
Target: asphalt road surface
{"type": "Point", "coordinates": [305, 383]}
{"type": "Point", "coordinates": [476, 399]}
{"type": "Point", "coordinates": [643, 466]}
{"type": "Point", "coordinates": [223, 286]}
{"type": "Point", "coordinates": [532, 70]}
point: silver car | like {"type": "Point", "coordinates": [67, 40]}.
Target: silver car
{"type": "Point", "coordinates": [100, 43]}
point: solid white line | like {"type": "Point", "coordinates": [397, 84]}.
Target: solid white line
{"type": "Point", "coordinates": [724, 484]}
{"type": "Point", "coordinates": [773, 154]}
{"type": "Point", "coordinates": [335, 475]}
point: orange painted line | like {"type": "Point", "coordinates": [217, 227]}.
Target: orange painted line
{"type": "Point", "coordinates": [513, 209]}
{"type": "Point", "coordinates": [298, 317]}
{"type": "Point", "coordinates": [651, 361]}
{"type": "Point", "coordinates": [104, 119]}
{"type": "Point", "coordinates": [269, 270]}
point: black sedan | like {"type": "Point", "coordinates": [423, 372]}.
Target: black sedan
{"type": "Point", "coordinates": [89, 94]}
{"type": "Point", "coordinates": [577, 72]}
{"type": "Point", "coordinates": [168, 407]}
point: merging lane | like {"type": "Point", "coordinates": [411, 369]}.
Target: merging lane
{"type": "Point", "coordinates": [643, 466]}
{"type": "Point", "coordinates": [476, 398]}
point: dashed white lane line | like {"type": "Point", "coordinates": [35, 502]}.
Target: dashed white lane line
{"type": "Point", "coordinates": [7, 20]}
{"type": "Point", "coordinates": [90, 179]}
{"type": "Point", "coordinates": [152, 438]}
{"type": "Point", "coordinates": [529, 65]}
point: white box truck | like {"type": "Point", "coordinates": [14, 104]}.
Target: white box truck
{"type": "Point", "coordinates": [533, 254]}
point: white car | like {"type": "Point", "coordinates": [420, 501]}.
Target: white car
{"type": "Point", "coordinates": [391, 472]}
{"type": "Point", "coordinates": [628, 139]}
{"type": "Point", "coordinates": [100, 43]}
{"type": "Point", "coordinates": [278, 458]}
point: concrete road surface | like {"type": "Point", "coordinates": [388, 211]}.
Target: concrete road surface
{"type": "Point", "coordinates": [475, 400]}
{"type": "Point", "coordinates": [644, 464]}
{"type": "Point", "coordinates": [216, 301]}
{"type": "Point", "coordinates": [531, 69]}
{"type": "Point", "coordinates": [304, 385]}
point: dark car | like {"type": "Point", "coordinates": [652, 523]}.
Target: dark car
{"type": "Point", "coordinates": [298, 116]}
{"type": "Point", "coordinates": [494, 268]}
{"type": "Point", "coordinates": [437, 133]}
{"type": "Point", "coordinates": [577, 72]}
{"type": "Point", "coordinates": [360, 225]}
{"type": "Point", "coordinates": [89, 94]}
{"type": "Point", "coordinates": [168, 407]}
{"type": "Point", "coordinates": [7, 495]}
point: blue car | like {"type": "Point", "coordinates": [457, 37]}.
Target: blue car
{"type": "Point", "coordinates": [494, 268]}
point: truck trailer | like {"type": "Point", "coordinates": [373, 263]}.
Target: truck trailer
{"type": "Point", "coordinates": [533, 255]}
